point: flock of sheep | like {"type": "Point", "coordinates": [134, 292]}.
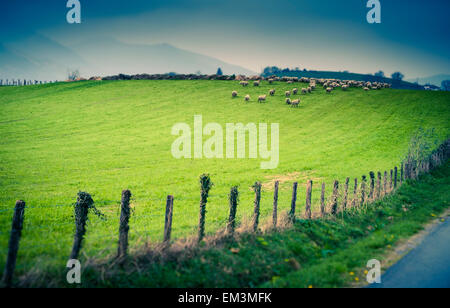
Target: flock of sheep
{"type": "Point", "coordinates": [328, 84]}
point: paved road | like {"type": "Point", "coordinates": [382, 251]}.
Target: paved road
{"type": "Point", "coordinates": [426, 266]}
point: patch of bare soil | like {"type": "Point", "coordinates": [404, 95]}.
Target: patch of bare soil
{"type": "Point", "coordinates": [300, 177]}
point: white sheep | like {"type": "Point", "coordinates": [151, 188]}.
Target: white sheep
{"type": "Point", "coordinates": [272, 92]}
{"type": "Point", "coordinates": [234, 94]}
{"type": "Point", "coordinates": [288, 101]}
{"type": "Point", "coordinates": [287, 93]}
{"type": "Point", "coordinates": [256, 83]}
{"type": "Point", "coordinates": [262, 98]}
{"type": "Point", "coordinates": [329, 89]}
{"type": "Point", "coordinates": [295, 102]}
{"type": "Point", "coordinates": [295, 91]}
{"type": "Point", "coordinates": [247, 98]}
{"type": "Point", "coordinates": [304, 91]}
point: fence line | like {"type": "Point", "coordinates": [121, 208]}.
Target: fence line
{"type": "Point", "coordinates": [362, 195]}
{"type": "Point", "coordinates": [23, 82]}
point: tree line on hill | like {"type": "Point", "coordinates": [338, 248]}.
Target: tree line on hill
{"type": "Point", "coordinates": [396, 79]}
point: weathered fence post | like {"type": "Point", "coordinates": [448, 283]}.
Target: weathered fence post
{"type": "Point", "coordinates": [401, 174]}
{"type": "Point", "coordinates": [334, 198]}
{"type": "Point", "coordinates": [308, 213]}
{"type": "Point", "coordinates": [14, 239]}
{"type": "Point", "coordinates": [363, 190]}
{"type": "Point", "coordinates": [293, 201]}
{"type": "Point", "coordinates": [233, 198]}
{"type": "Point", "coordinates": [257, 190]}
{"type": "Point", "coordinates": [124, 220]}
{"type": "Point", "coordinates": [378, 185]}
{"type": "Point", "coordinates": [385, 183]}
{"type": "Point", "coordinates": [275, 205]}
{"type": "Point", "coordinates": [355, 193]}
{"type": "Point", "coordinates": [391, 179]}
{"type": "Point", "coordinates": [347, 181]}
{"type": "Point", "coordinates": [84, 202]}
{"type": "Point", "coordinates": [168, 219]}
{"type": "Point", "coordinates": [372, 185]}
{"type": "Point", "coordinates": [395, 177]}
{"type": "Point", "coordinates": [205, 187]}
{"type": "Point", "coordinates": [322, 201]}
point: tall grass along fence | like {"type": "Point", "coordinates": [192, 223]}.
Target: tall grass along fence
{"type": "Point", "coordinates": [349, 195]}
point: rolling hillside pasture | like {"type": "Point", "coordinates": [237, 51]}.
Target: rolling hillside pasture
{"type": "Point", "coordinates": [103, 137]}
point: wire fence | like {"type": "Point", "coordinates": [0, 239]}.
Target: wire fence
{"type": "Point", "coordinates": [352, 193]}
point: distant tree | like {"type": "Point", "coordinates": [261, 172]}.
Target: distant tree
{"type": "Point", "coordinates": [73, 75]}
{"type": "Point", "coordinates": [270, 70]}
{"type": "Point", "coordinates": [379, 74]}
{"type": "Point", "coordinates": [198, 73]}
{"type": "Point", "coordinates": [397, 76]}
{"type": "Point", "coordinates": [445, 85]}
{"type": "Point", "coordinates": [219, 72]}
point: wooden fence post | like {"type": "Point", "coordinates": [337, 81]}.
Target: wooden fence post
{"type": "Point", "coordinates": [378, 185]}
{"type": "Point", "coordinates": [395, 177]}
{"type": "Point", "coordinates": [233, 198]}
{"type": "Point", "coordinates": [205, 187]}
{"type": "Point", "coordinates": [293, 201]}
{"type": "Point", "coordinates": [322, 201]}
{"type": "Point", "coordinates": [401, 174]}
{"type": "Point", "coordinates": [168, 219]}
{"type": "Point", "coordinates": [124, 227]}
{"type": "Point", "coordinates": [345, 204]}
{"type": "Point", "coordinates": [355, 193]}
{"type": "Point", "coordinates": [308, 213]}
{"type": "Point", "coordinates": [275, 205]}
{"type": "Point", "coordinates": [385, 183]}
{"type": "Point", "coordinates": [14, 239]}
{"type": "Point", "coordinates": [84, 202]}
{"type": "Point", "coordinates": [257, 190]}
{"type": "Point", "coordinates": [334, 198]}
{"type": "Point", "coordinates": [391, 179]}
{"type": "Point", "coordinates": [372, 185]}
{"type": "Point", "coordinates": [413, 170]}
{"type": "Point", "coordinates": [363, 190]}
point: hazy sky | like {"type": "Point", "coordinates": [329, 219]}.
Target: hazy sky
{"type": "Point", "coordinates": [313, 34]}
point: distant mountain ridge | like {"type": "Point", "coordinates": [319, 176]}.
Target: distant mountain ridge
{"type": "Point", "coordinates": [45, 59]}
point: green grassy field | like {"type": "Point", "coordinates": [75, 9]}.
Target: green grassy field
{"type": "Point", "coordinates": [319, 253]}
{"type": "Point", "coordinates": [103, 137]}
